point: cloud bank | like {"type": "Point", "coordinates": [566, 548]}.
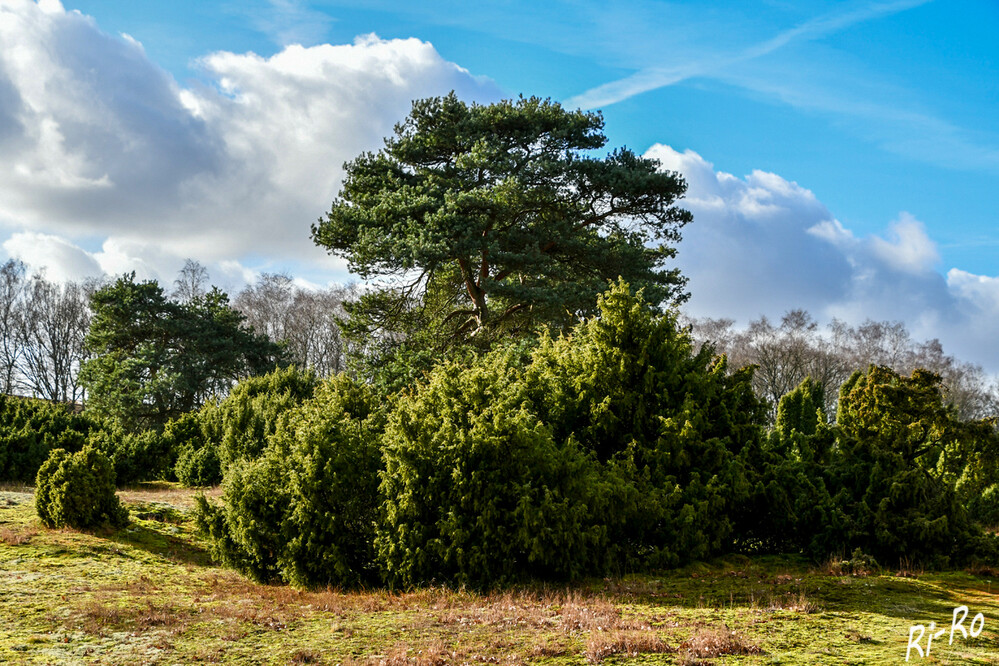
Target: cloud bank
{"type": "Point", "coordinates": [99, 142]}
{"type": "Point", "coordinates": [763, 245]}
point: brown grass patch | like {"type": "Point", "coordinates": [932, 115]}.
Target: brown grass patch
{"type": "Point", "coordinates": [435, 654]}
{"type": "Point", "coordinates": [100, 616]}
{"type": "Point", "coordinates": [549, 647]}
{"type": "Point", "coordinates": [247, 611]}
{"type": "Point", "coordinates": [306, 657]}
{"type": "Point", "coordinates": [162, 492]}
{"type": "Point", "coordinates": [628, 643]}
{"type": "Point", "coordinates": [13, 537]}
{"type": "Point", "coordinates": [588, 614]}
{"type": "Point", "coordinates": [569, 612]}
{"type": "Point", "coordinates": [709, 643]}
{"type": "Point", "coordinates": [796, 602]}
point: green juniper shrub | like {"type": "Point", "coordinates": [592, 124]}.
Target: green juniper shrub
{"type": "Point", "coordinates": [197, 458]}
{"type": "Point", "coordinates": [799, 514]}
{"type": "Point", "coordinates": [144, 455]}
{"type": "Point", "coordinates": [984, 506]}
{"type": "Point", "coordinates": [477, 491]}
{"type": "Point", "coordinates": [972, 461]}
{"type": "Point", "coordinates": [617, 447]}
{"type": "Point", "coordinates": [249, 528]}
{"type": "Point", "coordinates": [894, 437]}
{"type": "Point", "coordinates": [334, 474]}
{"type": "Point", "coordinates": [239, 425]}
{"type": "Point", "coordinates": [78, 490]}
{"type": "Point", "coordinates": [198, 467]}
{"type": "Point", "coordinates": [30, 429]}
{"type": "Point", "coordinates": [304, 511]}
{"type": "Point", "coordinates": [630, 387]}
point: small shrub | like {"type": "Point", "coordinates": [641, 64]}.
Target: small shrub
{"type": "Point", "coordinates": [197, 456]}
{"type": "Point", "coordinates": [77, 490]}
{"type": "Point", "coordinates": [135, 456]}
{"type": "Point", "coordinates": [198, 467]}
{"type": "Point", "coordinates": [985, 507]}
{"type": "Point", "coordinates": [240, 425]}
{"type": "Point", "coordinates": [476, 491]}
{"type": "Point", "coordinates": [858, 564]}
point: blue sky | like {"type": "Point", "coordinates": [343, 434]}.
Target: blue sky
{"type": "Point", "coordinates": [892, 105]}
{"type": "Point", "coordinates": [843, 156]}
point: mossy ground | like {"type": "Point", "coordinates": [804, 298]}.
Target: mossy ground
{"type": "Point", "coordinates": [150, 594]}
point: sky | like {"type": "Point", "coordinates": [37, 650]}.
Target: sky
{"type": "Point", "coordinates": [841, 156]}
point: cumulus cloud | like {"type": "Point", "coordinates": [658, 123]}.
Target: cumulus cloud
{"type": "Point", "coordinates": [55, 257]}
{"type": "Point", "coordinates": [62, 260]}
{"type": "Point", "coordinates": [762, 245]}
{"type": "Point", "coordinates": [754, 228]}
{"type": "Point", "coordinates": [100, 142]}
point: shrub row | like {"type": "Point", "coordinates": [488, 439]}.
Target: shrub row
{"type": "Point", "coordinates": [618, 447]}
{"type": "Point", "coordinates": [30, 429]}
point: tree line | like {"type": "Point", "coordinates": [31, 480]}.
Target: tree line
{"type": "Point", "coordinates": [786, 353]}
{"type": "Point", "coordinates": [44, 325]}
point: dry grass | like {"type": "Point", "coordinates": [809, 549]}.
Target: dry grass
{"type": "Point", "coordinates": [857, 564]}
{"type": "Point", "coordinates": [569, 612]}
{"type": "Point", "coordinates": [100, 617]}
{"type": "Point", "coordinates": [436, 653]}
{"type": "Point", "coordinates": [796, 602]}
{"type": "Point", "coordinates": [629, 643]}
{"type": "Point", "coordinates": [549, 647]}
{"type": "Point", "coordinates": [162, 492]}
{"type": "Point", "coordinates": [306, 657]}
{"type": "Point", "coordinates": [13, 537]}
{"type": "Point", "coordinates": [709, 643]}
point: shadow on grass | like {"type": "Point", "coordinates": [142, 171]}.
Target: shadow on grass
{"type": "Point", "coordinates": [794, 584]}
{"type": "Point", "coordinates": [176, 548]}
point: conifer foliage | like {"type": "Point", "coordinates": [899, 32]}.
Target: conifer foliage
{"type": "Point", "coordinates": [77, 490]}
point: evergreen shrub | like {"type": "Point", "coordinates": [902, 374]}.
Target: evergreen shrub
{"type": "Point", "coordinates": [304, 511]}
{"type": "Point", "coordinates": [78, 490]}
{"type": "Point", "coordinates": [30, 429]}
{"type": "Point", "coordinates": [239, 425]}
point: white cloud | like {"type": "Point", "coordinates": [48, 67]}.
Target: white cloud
{"type": "Point", "coordinates": [762, 245]}
{"type": "Point", "coordinates": [55, 257]}
{"type": "Point", "coordinates": [100, 142]}
{"type": "Point", "coordinates": [754, 228]}
{"type": "Point", "coordinates": [908, 247]}
{"type": "Point", "coordinates": [62, 260]}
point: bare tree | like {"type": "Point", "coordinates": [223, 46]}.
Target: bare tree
{"type": "Point", "coordinates": [267, 303]}
{"type": "Point", "coordinates": [191, 282]}
{"type": "Point", "coordinates": [13, 284]}
{"type": "Point", "coordinates": [52, 331]}
{"type": "Point", "coordinates": [784, 355]}
{"type": "Point", "coordinates": [304, 319]}
{"type": "Point", "coordinates": [312, 332]}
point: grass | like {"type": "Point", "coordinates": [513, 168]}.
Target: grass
{"type": "Point", "coordinates": [149, 594]}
